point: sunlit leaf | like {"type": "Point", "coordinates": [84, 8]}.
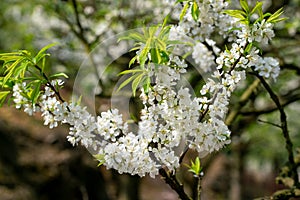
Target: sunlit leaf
{"type": "Point", "coordinates": [183, 11]}
{"type": "Point", "coordinates": [58, 75]}
{"type": "Point", "coordinates": [136, 82]}
{"type": "Point", "coordinates": [126, 82]}
{"type": "Point", "coordinates": [257, 7]}
{"type": "Point", "coordinates": [131, 71]}
{"type": "Point", "coordinates": [244, 5]}
{"type": "Point", "coordinates": [3, 95]}
{"type": "Point", "coordinates": [195, 11]}
{"type": "Point", "coordinates": [42, 54]}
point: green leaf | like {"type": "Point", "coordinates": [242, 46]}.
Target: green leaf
{"type": "Point", "coordinates": [100, 158]}
{"type": "Point", "coordinates": [10, 70]}
{"type": "Point", "coordinates": [155, 55]}
{"type": "Point", "coordinates": [42, 54]}
{"type": "Point", "coordinates": [21, 69]}
{"type": "Point", "coordinates": [136, 36]}
{"type": "Point", "coordinates": [244, 5]}
{"type": "Point", "coordinates": [236, 14]}
{"type": "Point", "coordinates": [195, 11]}
{"type": "Point", "coordinates": [131, 71]}
{"type": "Point", "coordinates": [257, 7]}
{"type": "Point", "coordinates": [35, 91]}
{"type": "Point", "coordinates": [136, 82]}
{"type": "Point", "coordinates": [3, 95]}
{"type": "Point", "coordinates": [183, 12]}
{"type": "Point", "coordinates": [275, 16]}
{"type": "Point", "coordinates": [195, 167]}
{"type": "Point", "coordinates": [58, 75]}
{"type": "Point", "coordinates": [143, 56]}
{"type": "Point", "coordinates": [126, 82]}
{"type": "Point", "coordinates": [249, 47]}
{"type": "Point", "coordinates": [132, 61]}
{"type": "Point", "coordinates": [147, 84]}
{"type": "Point", "coordinates": [166, 19]}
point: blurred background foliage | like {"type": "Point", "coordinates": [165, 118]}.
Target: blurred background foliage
{"type": "Point", "coordinates": [37, 163]}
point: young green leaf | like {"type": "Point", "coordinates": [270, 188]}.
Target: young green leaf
{"type": "Point", "coordinates": [126, 82]}
{"type": "Point", "coordinates": [257, 7]}
{"type": "Point", "coordinates": [236, 14]}
{"type": "Point", "coordinates": [183, 12]}
{"type": "Point", "coordinates": [195, 167]}
{"type": "Point", "coordinates": [136, 82]}
{"type": "Point", "coordinates": [245, 6]}
{"type": "Point", "coordinates": [131, 71]}
{"type": "Point", "coordinates": [155, 55]}
{"type": "Point", "coordinates": [42, 53]}
{"type": "Point", "coordinates": [100, 158]}
{"type": "Point", "coordinates": [58, 75]}
{"type": "Point", "coordinates": [195, 11]}
{"type": "Point", "coordinates": [275, 16]}
{"type": "Point", "coordinates": [3, 95]}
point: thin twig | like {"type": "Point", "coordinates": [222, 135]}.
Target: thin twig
{"type": "Point", "coordinates": [271, 123]}
{"type": "Point", "coordinates": [199, 187]}
{"type": "Point", "coordinates": [283, 126]}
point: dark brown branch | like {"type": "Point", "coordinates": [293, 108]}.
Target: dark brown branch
{"type": "Point", "coordinates": [270, 109]}
{"type": "Point", "coordinates": [78, 22]}
{"type": "Point", "coordinates": [51, 86]}
{"type": "Point", "coordinates": [284, 126]}
{"type": "Point", "coordinates": [271, 123]}
{"type": "Point", "coordinates": [172, 181]}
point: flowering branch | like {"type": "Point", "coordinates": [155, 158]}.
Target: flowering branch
{"type": "Point", "coordinates": [170, 116]}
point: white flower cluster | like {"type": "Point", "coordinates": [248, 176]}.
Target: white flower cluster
{"type": "Point", "coordinates": [203, 57]}
{"type": "Point", "coordinates": [171, 119]}
{"type": "Point", "coordinates": [168, 120]}
{"type": "Point", "coordinates": [211, 18]}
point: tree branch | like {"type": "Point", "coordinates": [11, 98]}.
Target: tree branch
{"type": "Point", "coordinates": [172, 181]}
{"type": "Point", "coordinates": [284, 126]}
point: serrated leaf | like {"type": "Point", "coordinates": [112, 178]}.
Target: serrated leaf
{"type": "Point", "coordinates": [195, 167]}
